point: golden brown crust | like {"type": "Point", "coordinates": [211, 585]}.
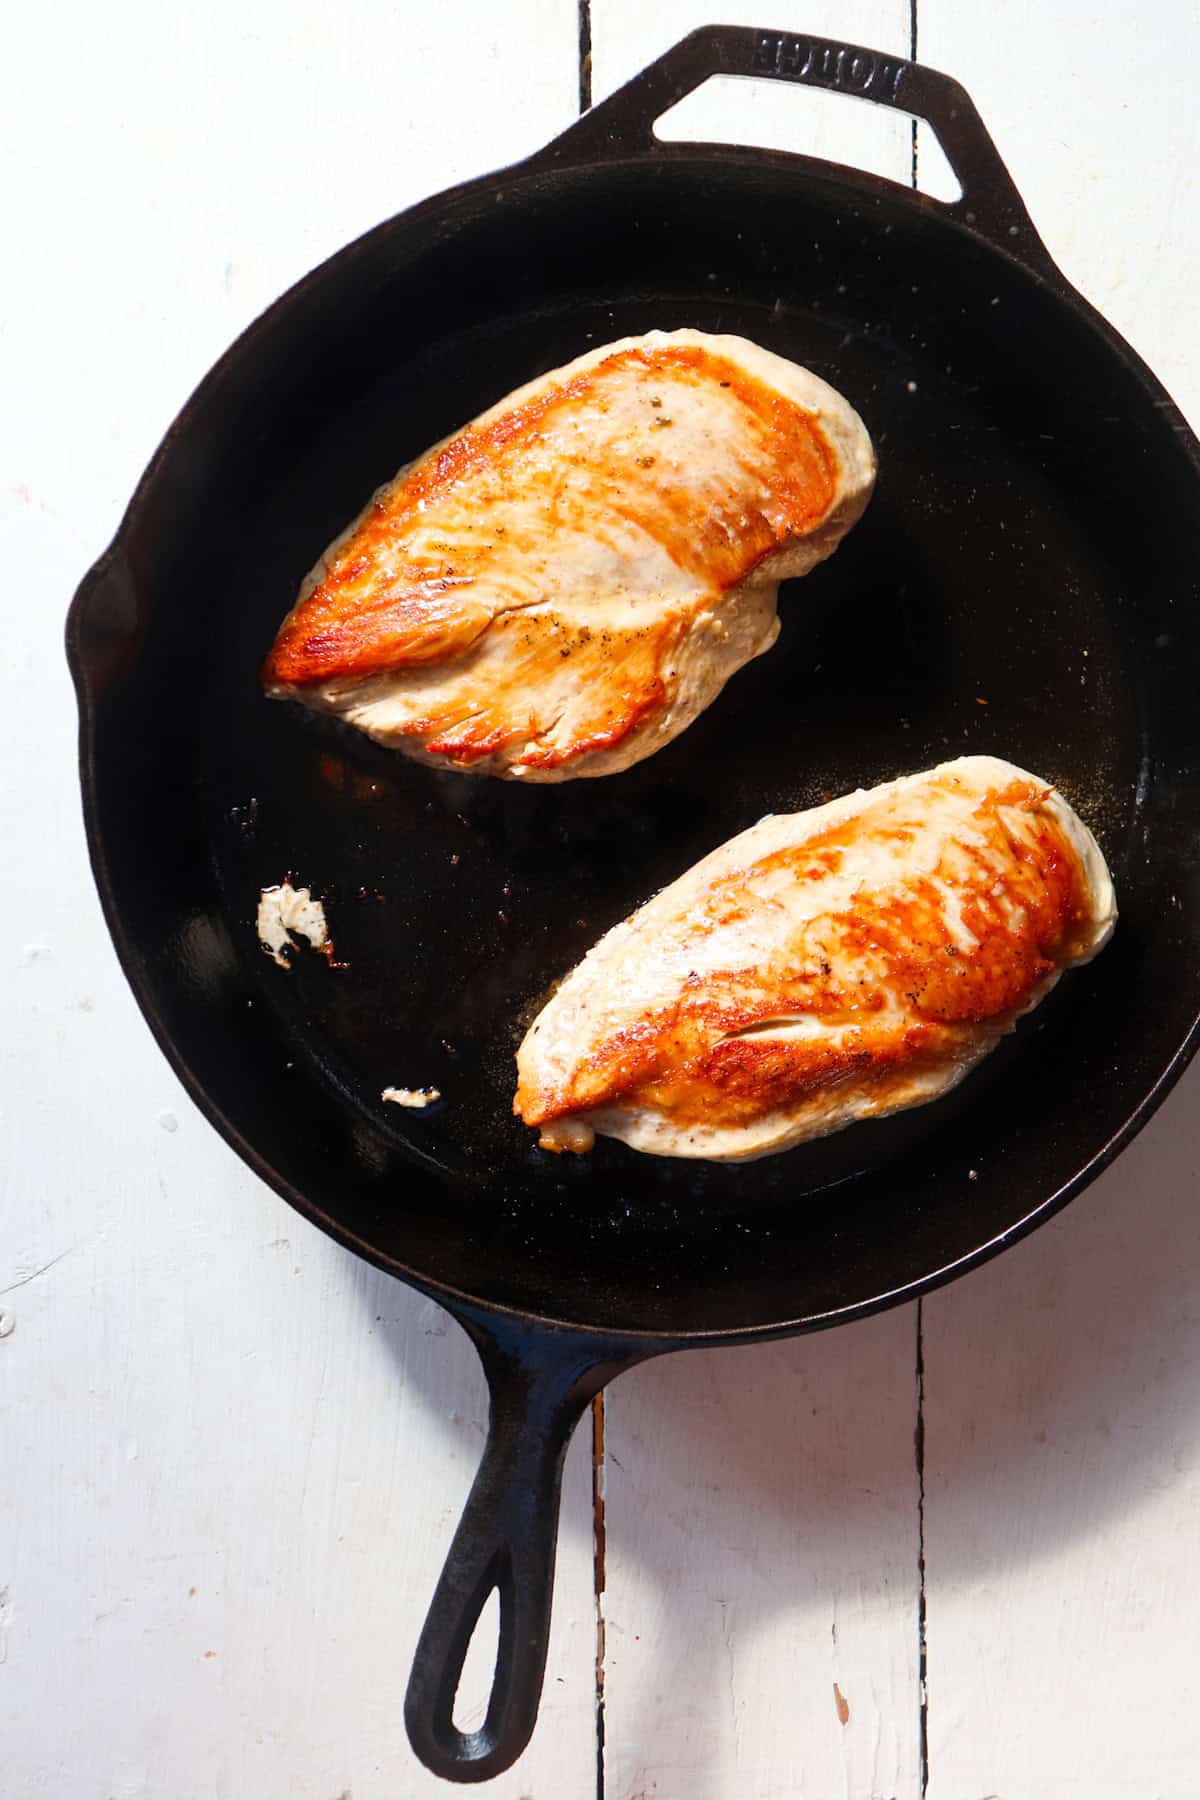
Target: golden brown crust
{"type": "Point", "coordinates": [391, 599]}
{"type": "Point", "coordinates": [890, 971]}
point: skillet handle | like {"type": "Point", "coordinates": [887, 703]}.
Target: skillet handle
{"type": "Point", "coordinates": [540, 1383]}
{"type": "Point", "coordinates": [622, 126]}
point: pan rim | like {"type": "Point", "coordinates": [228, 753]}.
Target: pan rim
{"type": "Point", "coordinates": [536, 168]}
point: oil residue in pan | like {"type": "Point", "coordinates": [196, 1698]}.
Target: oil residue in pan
{"type": "Point", "coordinates": [965, 582]}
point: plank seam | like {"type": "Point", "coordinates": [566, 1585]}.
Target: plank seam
{"type": "Point", "coordinates": [598, 1549]}
{"type": "Point", "coordinates": [585, 55]}
{"type": "Point", "coordinates": [912, 57]}
{"type": "Point", "coordinates": [919, 1434]}
{"type": "Point", "coordinates": [922, 1642]}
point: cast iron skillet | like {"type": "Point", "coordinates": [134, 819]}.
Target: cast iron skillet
{"type": "Point", "coordinates": [1025, 582]}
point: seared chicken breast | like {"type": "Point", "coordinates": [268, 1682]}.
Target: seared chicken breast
{"type": "Point", "coordinates": [561, 588]}
{"type": "Point", "coordinates": [822, 967]}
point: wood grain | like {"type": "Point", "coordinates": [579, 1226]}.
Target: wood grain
{"type": "Point", "coordinates": [1089, 109]}
{"type": "Point", "coordinates": [1062, 1475]}
{"type": "Point", "coordinates": [234, 1456]}
{"type": "Point", "coordinates": [761, 1504]}
{"type": "Point", "coordinates": [761, 1571]}
{"type": "Point", "coordinates": [1062, 1479]}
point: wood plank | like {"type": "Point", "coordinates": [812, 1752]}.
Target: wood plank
{"type": "Point", "coordinates": [235, 1456]}
{"type": "Point", "coordinates": [1090, 110]}
{"type": "Point", "coordinates": [1062, 1482]}
{"type": "Point", "coordinates": [1062, 1477]}
{"type": "Point", "coordinates": [761, 1504]}
{"type": "Point", "coordinates": [192, 168]}
{"type": "Point", "coordinates": [761, 1571]}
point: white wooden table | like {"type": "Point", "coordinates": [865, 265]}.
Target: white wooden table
{"type": "Point", "coordinates": [233, 1456]}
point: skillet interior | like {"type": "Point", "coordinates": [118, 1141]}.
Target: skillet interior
{"type": "Point", "coordinates": [1034, 544]}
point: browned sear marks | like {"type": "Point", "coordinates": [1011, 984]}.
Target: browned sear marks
{"type": "Point", "coordinates": [907, 970]}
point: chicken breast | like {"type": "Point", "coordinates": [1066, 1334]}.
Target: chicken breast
{"type": "Point", "coordinates": [822, 967]}
{"type": "Point", "coordinates": [563, 586]}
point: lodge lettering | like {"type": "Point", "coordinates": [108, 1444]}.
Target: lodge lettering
{"type": "Point", "coordinates": [828, 65]}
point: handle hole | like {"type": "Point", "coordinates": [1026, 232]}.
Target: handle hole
{"type": "Point", "coordinates": [478, 1675]}
{"type": "Point", "coordinates": [935, 177]}
{"type": "Point", "coordinates": [781, 116]}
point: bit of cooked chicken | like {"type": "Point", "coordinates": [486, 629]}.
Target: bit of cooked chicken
{"type": "Point", "coordinates": [561, 588]}
{"type": "Point", "coordinates": [822, 967]}
{"type": "Point", "coordinates": [286, 913]}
